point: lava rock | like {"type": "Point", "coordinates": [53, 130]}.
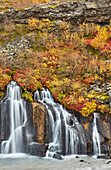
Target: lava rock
{"type": "Point", "coordinates": [88, 10]}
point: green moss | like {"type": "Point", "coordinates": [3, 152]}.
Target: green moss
{"type": "Point", "coordinates": [46, 139]}
{"type": "Point", "coordinates": [1, 29]}
{"type": "Point", "coordinates": [1, 94]}
{"type": "Point", "coordinates": [27, 96]}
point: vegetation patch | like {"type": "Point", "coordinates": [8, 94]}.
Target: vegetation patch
{"type": "Point", "coordinates": [73, 63]}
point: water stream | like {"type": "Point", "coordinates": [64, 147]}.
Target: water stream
{"type": "Point", "coordinates": [17, 119]}
{"type": "Point", "coordinates": [96, 136]}
{"type": "Point", "coordinates": [66, 134]}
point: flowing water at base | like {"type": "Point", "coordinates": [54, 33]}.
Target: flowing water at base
{"type": "Point", "coordinates": [27, 162]}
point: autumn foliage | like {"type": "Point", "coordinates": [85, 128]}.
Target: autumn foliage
{"type": "Point", "coordinates": [67, 62]}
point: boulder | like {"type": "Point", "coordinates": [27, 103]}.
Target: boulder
{"type": "Point", "coordinates": [37, 149]}
{"type": "Point", "coordinates": [57, 156]}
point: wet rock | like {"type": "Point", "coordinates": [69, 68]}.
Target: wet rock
{"type": "Point", "coordinates": [102, 157]}
{"type": "Point", "coordinates": [39, 122]}
{"type": "Point", "coordinates": [57, 156]}
{"type": "Point", "coordinates": [81, 160]}
{"type": "Point", "coordinates": [37, 149]}
{"type": "Point", "coordinates": [4, 120]}
{"type": "Point", "coordinates": [77, 157]}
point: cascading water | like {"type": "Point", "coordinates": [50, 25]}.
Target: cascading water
{"type": "Point", "coordinates": [96, 136]}
{"type": "Point", "coordinates": [67, 135]}
{"type": "Point", "coordinates": [17, 120]}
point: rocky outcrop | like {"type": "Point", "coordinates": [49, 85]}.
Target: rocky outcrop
{"type": "Point", "coordinates": [103, 90]}
{"type": "Point", "coordinates": [11, 49]}
{"type": "Point", "coordinates": [97, 11]}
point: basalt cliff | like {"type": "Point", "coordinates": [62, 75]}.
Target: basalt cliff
{"type": "Point", "coordinates": [74, 11]}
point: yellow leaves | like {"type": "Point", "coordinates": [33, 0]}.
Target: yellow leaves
{"type": "Point", "coordinates": [100, 40]}
{"type": "Point", "coordinates": [103, 68]}
{"type": "Point", "coordinates": [45, 20]}
{"type": "Point", "coordinates": [33, 23]}
{"type": "Point", "coordinates": [96, 77]}
{"type": "Point", "coordinates": [80, 99]}
{"type": "Point", "coordinates": [42, 25]}
{"type": "Point", "coordinates": [98, 27]}
{"type": "Point", "coordinates": [90, 95]}
{"type": "Point", "coordinates": [76, 85]}
{"type": "Point", "coordinates": [104, 109]}
{"type": "Point", "coordinates": [44, 64]}
{"type": "Point", "coordinates": [98, 95]}
{"type": "Point", "coordinates": [89, 107]}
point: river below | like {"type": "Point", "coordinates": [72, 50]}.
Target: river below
{"type": "Point", "coordinates": [27, 162]}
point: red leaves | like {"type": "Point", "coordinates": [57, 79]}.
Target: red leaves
{"type": "Point", "coordinates": [88, 80]}
{"type": "Point", "coordinates": [4, 77]}
{"type": "Point", "coordinates": [7, 70]}
{"type": "Point", "coordinates": [78, 106]}
{"type": "Point", "coordinates": [50, 60]}
{"type": "Point", "coordinates": [108, 45]}
{"type": "Point", "coordinates": [88, 42]}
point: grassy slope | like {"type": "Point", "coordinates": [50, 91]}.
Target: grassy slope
{"type": "Point", "coordinates": [67, 62]}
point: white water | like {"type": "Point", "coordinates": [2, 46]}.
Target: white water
{"type": "Point", "coordinates": [96, 136]}
{"type": "Point", "coordinates": [18, 118]}
{"type": "Point", "coordinates": [27, 162]}
{"type": "Point", "coordinates": [67, 134]}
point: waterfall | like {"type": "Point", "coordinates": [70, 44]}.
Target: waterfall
{"type": "Point", "coordinates": [96, 136]}
{"type": "Point", "coordinates": [66, 134]}
{"type": "Point", "coordinates": [16, 120]}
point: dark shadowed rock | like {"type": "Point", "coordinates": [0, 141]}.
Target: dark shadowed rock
{"type": "Point", "coordinates": [4, 120]}
{"type": "Point", "coordinates": [57, 156]}
{"type": "Point", "coordinates": [77, 157]}
{"type": "Point", "coordinates": [37, 149]}
{"type": "Point", "coordinates": [103, 157]}
{"type": "Point", "coordinates": [82, 160]}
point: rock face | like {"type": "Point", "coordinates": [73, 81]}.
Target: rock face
{"type": "Point", "coordinates": [97, 11]}
{"type": "Point", "coordinates": [39, 121]}
{"type": "Point", "coordinates": [11, 48]}
{"type": "Point", "coordinates": [104, 129]}
{"type": "Point", "coordinates": [35, 126]}
{"type": "Point", "coordinates": [4, 122]}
